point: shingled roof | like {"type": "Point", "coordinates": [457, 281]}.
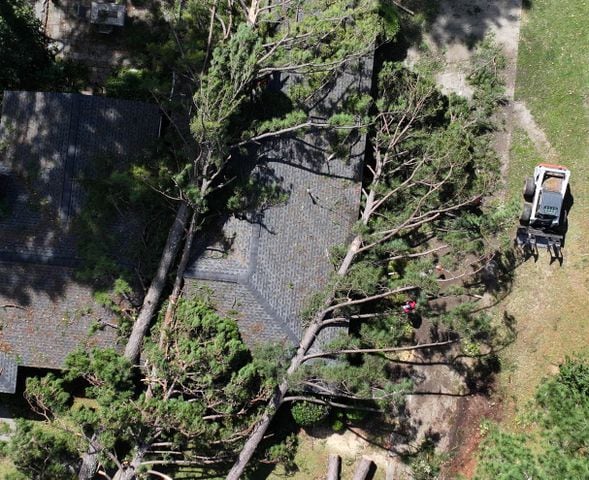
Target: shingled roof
{"type": "Point", "coordinates": [263, 269]}
{"type": "Point", "coordinates": [49, 140]}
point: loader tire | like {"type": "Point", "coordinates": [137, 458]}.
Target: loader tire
{"type": "Point", "coordinates": [529, 189]}
{"type": "Point", "coordinates": [524, 219]}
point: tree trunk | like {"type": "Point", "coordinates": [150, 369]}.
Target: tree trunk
{"type": "Point", "coordinates": [89, 465]}
{"type": "Point", "coordinates": [129, 470]}
{"type": "Point", "coordinates": [152, 298]}
{"type": "Point", "coordinates": [179, 282]}
{"type": "Point", "coordinates": [390, 475]}
{"type": "Point", "coordinates": [363, 469]}
{"type": "Point", "coordinates": [277, 399]}
{"type": "Point", "coordinates": [274, 404]}
{"type": "Point", "coordinates": [350, 255]}
{"type": "Point", "coordinates": [333, 467]}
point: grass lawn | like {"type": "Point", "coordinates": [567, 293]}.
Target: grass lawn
{"type": "Point", "coordinates": [6, 468]}
{"type": "Point", "coordinates": [550, 302]}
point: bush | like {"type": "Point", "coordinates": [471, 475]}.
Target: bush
{"type": "Point", "coordinates": [130, 84]}
{"type": "Point", "coordinates": [307, 414]}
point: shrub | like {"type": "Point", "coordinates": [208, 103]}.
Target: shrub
{"type": "Point", "coordinates": [307, 414]}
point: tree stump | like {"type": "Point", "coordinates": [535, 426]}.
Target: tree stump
{"type": "Point", "coordinates": [333, 467]}
{"type": "Point", "coordinates": [363, 469]}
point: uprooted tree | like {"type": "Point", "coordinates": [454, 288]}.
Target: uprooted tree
{"type": "Point", "coordinates": [422, 206]}
{"type": "Point", "coordinates": [313, 40]}
{"type": "Point", "coordinates": [432, 165]}
{"type": "Point", "coordinates": [247, 42]}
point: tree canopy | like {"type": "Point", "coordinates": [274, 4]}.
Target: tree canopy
{"type": "Point", "coordinates": [199, 398]}
{"type": "Point", "coordinates": [27, 60]}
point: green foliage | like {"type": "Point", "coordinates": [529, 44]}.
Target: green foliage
{"type": "Point", "coordinates": [270, 361]}
{"type": "Point", "coordinates": [224, 87]}
{"type": "Point", "coordinates": [323, 38]}
{"type": "Point", "coordinates": [307, 414]}
{"type": "Point", "coordinates": [129, 83]}
{"type": "Point", "coordinates": [558, 449]}
{"type": "Point", "coordinates": [208, 348]}
{"type": "Point", "coordinates": [203, 385]}
{"type": "Point", "coordinates": [341, 418]}
{"type": "Point", "coordinates": [437, 162]}
{"type": "Point", "coordinates": [256, 193]}
{"type": "Point", "coordinates": [119, 192]}
{"type": "Point", "coordinates": [370, 381]}
{"type": "Point", "coordinates": [53, 399]}
{"type": "Point", "coordinates": [40, 452]}
{"type": "Point", "coordinates": [425, 468]}
{"type": "Point", "coordinates": [390, 20]}
{"type": "Point", "coordinates": [26, 59]}
{"type": "Point", "coordinates": [284, 453]}
{"type": "Point", "coordinates": [488, 65]}
{"type": "Point", "coordinates": [315, 302]}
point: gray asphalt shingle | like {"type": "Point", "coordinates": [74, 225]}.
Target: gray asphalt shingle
{"type": "Point", "coordinates": [284, 251]}
{"type": "Point", "coordinates": [50, 141]}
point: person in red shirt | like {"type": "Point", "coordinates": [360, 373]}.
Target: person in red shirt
{"type": "Point", "coordinates": [409, 306]}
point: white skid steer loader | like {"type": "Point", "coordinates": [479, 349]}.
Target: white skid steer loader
{"type": "Point", "coordinates": [544, 216]}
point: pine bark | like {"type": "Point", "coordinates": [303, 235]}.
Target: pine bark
{"type": "Point", "coordinates": [89, 465]}
{"type": "Point", "coordinates": [154, 293]}
{"type": "Point", "coordinates": [277, 399]}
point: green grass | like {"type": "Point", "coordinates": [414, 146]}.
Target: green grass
{"type": "Point", "coordinates": [550, 302]}
{"type": "Point", "coordinates": [524, 158]}
{"type": "Point", "coordinates": [6, 468]}
{"type": "Point", "coordinates": [553, 73]}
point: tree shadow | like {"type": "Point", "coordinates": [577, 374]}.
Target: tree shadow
{"type": "Point", "coordinates": [465, 23]}
{"type": "Point", "coordinates": [51, 142]}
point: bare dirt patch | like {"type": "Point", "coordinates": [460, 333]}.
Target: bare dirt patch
{"type": "Point", "coordinates": [524, 119]}
{"type": "Point", "coordinates": [467, 434]}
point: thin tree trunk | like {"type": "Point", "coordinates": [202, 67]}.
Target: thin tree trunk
{"type": "Point", "coordinates": [274, 404]}
{"type": "Point", "coordinates": [179, 281]}
{"type": "Point", "coordinates": [129, 473]}
{"type": "Point", "coordinates": [129, 470]}
{"type": "Point", "coordinates": [333, 467]}
{"type": "Point", "coordinates": [278, 398]}
{"type": "Point", "coordinates": [152, 298]}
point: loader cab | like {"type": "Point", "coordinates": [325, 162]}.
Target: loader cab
{"type": "Point", "coordinates": [549, 209]}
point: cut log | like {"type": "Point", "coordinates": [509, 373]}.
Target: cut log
{"type": "Point", "coordinates": [390, 475]}
{"type": "Point", "coordinates": [334, 467]}
{"type": "Point", "coordinates": [363, 469]}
